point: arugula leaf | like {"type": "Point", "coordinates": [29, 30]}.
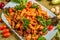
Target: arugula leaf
{"type": "Point", "coordinates": [34, 6]}
{"type": "Point", "coordinates": [45, 29]}
{"type": "Point", "coordinates": [42, 21]}
{"type": "Point", "coordinates": [25, 27]}
{"type": "Point", "coordinates": [26, 23]}
{"type": "Point", "coordinates": [39, 18]}
{"type": "Point", "coordinates": [49, 21]}
{"type": "Point", "coordinates": [41, 38]}
{"type": "Point", "coordinates": [18, 7]}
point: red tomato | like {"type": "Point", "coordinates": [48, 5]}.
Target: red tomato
{"type": "Point", "coordinates": [1, 28]}
{"type": "Point", "coordinates": [6, 35]}
{"type": "Point", "coordinates": [50, 27]}
{"type": "Point", "coordinates": [4, 26]}
{"type": "Point", "coordinates": [10, 10]}
{"type": "Point", "coordinates": [6, 31]}
{"type": "Point", "coordinates": [29, 4]}
{"type": "Point", "coordinates": [27, 8]}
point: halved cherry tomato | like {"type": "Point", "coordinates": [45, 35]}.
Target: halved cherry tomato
{"type": "Point", "coordinates": [6, 35]}
{"type": "Point", "coordinates": [10, 10]}
{"type": "Point", "coordinates": [50, 27]}
{"type": "Point", "coordinates": [29, 4]}
{"type": "Point", "coordinates": [27, 8]}
{"type": "Point", "coordinates": [6, 31]}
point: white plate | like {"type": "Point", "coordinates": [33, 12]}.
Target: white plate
{"type": "Point", "coordinates": [48, 36]}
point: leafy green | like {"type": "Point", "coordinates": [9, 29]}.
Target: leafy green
{"type": "Point", "coordinates": [34, 6]}
{"type": "Point", "coordinates": [18, 7]}
{"type": "Point", "coordinates": [45, 29]}
{"type": "Point", "coordinates": [43, 21]}
{"type": "Point", "coordinates": [49, 21]}
{"type": "Point", "coordinates": [41, 38]}
{"type": "Point", "coordinates": [25, 27]}
{"type": "Point", "coordinates": [26, 23]}
{"type": "Point", "coordinates": [22, 2]}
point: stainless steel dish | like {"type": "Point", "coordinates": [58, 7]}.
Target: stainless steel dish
{"type": "Point", "coordinates": [48, 36]}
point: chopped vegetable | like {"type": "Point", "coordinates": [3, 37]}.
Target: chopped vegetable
{"type": "Point", "coordinates": [25, 27]}
{"type": "Point", "coordinates": [18, 7]}
{"type": "Point", "coordinates": [50, 27]}
{"type": "Point", "coordinates": [41, 38]}
{"type": "Point", "coordinates": [49, 21]}
{"type": "Point", "coordinates": [26, 23]}
{"type": "Point", "coordinates": [45, 29]}
{"type": "Point", "coordinates": [42, 20]}
{"type": "Point", "coordinates": [34, 6]}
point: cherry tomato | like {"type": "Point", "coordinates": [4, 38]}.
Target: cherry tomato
{"type": "Point", "coordinates": [27, 8]}
{"type": "Point", "coordinates": [6, 31]}
{"type": "Point", "coordinates": [4, 26]}
{"type": "Point", "coordinates": [50, 27]}
{"type": "Point", "coordinates": [29, 4]}
{"type": "Point", "coordinates": [6, 35]}
{"type": "Point", "coordinates": [10, 10]}
{"type": "Point", "coordinates": [1, 28]}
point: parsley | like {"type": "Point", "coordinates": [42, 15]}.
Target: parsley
{"type": "Point", "coordinates": [26, 23]}
{"type": "Point", "coordinates": [18, 7]}
{"type": "Point", "coordinates": [34, 6]}
{"type": "Point", "coordinates": [43, 21]}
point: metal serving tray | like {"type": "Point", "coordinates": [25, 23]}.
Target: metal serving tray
{"type": "Point", "coordinates": [48, 36]}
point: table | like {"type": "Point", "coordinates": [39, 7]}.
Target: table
{"type": "Point", "coordinates": [13, 36]}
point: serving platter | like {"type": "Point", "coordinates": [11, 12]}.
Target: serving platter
{"type": "Point", "coordinates": [48, 36]}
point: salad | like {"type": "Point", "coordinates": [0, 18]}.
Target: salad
{"type": "Point", "coordinates": [29, 21]}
